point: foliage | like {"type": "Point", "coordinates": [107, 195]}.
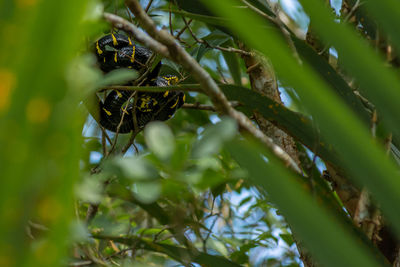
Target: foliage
{"type": "Point", "coordinates": [195, 190]}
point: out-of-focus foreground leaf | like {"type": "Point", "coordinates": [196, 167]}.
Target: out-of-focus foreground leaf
{"type": "Point", "coordinates": [328, 239]}
{"type": "Point", "coordinates": [363, 159]}
{"type": "Point", "coordinates": [40, 128]}
{"type": "Point", "coordinates": [360, 60]}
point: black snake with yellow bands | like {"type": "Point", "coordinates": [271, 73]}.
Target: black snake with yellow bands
{"type": "Point", "coordinates": [121, 109]}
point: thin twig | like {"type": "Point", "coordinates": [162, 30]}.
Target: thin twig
{"type": "Point", "coordinates": [105, 134]}
{"type": "Point", "coordinates": [163, 41]}
{"type": "Point", "coordinates": [180, 56]}
{"type": "Point", "coordinates": [80, 263]}
{"type": "Point", "coordinates": [91, 212]}
{"type": "Point", "coordinates": [104, 143]}
{"type": "Point", "coordinates": [130, 142]}
{"type": "Point", "coordinates": [212, 225]}
{"type": "Point", "coordinates": [277, 21]}
{"type": "Point", "coordinates": [222, 75]}
{"type": "Point", "coordinates": [38, 226]}
{"type": "Point", "coordinates": [198, 106]}
{"type": "Point", "coordinates": [171, 31]}
{"type": "Point", "coordinates": [259, 12]}
{"type": "Point", "coordinates": [225, 49]}
{"type": "Point", "coordinates": [129, 14]}
{"type": "Point", "coordinates": [183, 29]}
{"type": "Point", "coordinates": [190, 30]}
{"type": "Point", "coordinates": [233, 50]}
{"type": "Point", "coordinates": [182, 87]}
{"type": "Point", "coordinates": [352, 11]}
{"type": "Point", "coordinates": [148, 6]}
{"type": "Point", "coordinates": [123, 24]}
{"type": "Point", "coordinates": [210, 231]}
{"type": "Point", "coordinates": [120, 123]}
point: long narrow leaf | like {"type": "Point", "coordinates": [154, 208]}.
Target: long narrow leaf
{"type": "Point", "coordinates": [40, 128]}
{"type": "Point", "coordinates": [377, 82]}
{"type": "Point", "coordinates": [388, 13]}
{"type": "Point", "coordinates": [364, 160]}
{"type": "Point", "coordinates": [328, 239]}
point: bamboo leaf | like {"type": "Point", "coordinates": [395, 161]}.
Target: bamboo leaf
{"type": "Point", "coordinates": [329, 74]}
{"type": "Point", "coordinates": [38, 129]}
{"type": "Point", "coordinates": [366, 163]}
{"type": "Point", "coordinates": [361, 61]}
{"type": "Point", "coordinates": [295, 124]}
{"type": "Point", "coordinates": [329, 240]}
{"type": "Point", "coordinates": [387, 13]}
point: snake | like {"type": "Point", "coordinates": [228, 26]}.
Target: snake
{"type": "Point", "coordinates": [126, 111]}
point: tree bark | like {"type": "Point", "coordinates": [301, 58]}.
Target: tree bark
{"type": "Point", "coordinates": [263, 80]}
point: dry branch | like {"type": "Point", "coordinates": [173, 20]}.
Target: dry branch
{"type": "Point", "coordinates": [165, 44]}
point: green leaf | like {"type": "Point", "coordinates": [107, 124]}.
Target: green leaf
{"type": "Point", "coordinates": [213, 137]}
{"type": "Point", "coordinates": [40, 128]}
{"type": "Point", "coordinates": [194, 6]}
{"type": "Point", "coordinates": [360, 60]}
{"type": "Point", "coordinates": [387, 13]}
{"type": "Point", "coordinates": [287, 238]}
{"type": "Point", "coordinates": [160, 139]}
{"type": "Point", "coordinates": [115, 77]}
{"type": "Point", "coordinates": [295, 124]}
{"type": "Point", "coordinates": [337, 124]}
{"type": "Point", "coordinates": [170, 67]}
{"type": "Point", "coordinates": [174, 252]}
{"type": "Point", "coordinates": [332, 243]}
{"type": "Point", "coordinates": [219, 22]}
{"type": "Point", "coordinates": [232, 61]}
{"type": "Point", "coordinates": [263, 6]}
{"type": "Point", "coordinates": [147, 192]}
{"type": "Point", "coordinates": [119, 191]}
{"type": "Point", "coordinates": [131, 168]}
{"type": "Point", "coordinates": [90, 190]}
{"type": "Point", "coordinates": [209, 19]}
{"type": "Point", "coordinates": [215, 38]}
{"type": "Point", "coordinates": [329, 74]}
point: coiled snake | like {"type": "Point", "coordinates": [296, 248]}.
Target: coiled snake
{"type": "Point", "coordinates": [122, 110]}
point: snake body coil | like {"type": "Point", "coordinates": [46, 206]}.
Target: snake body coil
{"type": "Point", "coordinates": [122, 110]}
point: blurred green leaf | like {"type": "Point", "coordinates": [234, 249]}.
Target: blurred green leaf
{"type": "Point", "coordinates": [295, 124]}
{"type": "Point", "coordinates": [218, 246]}
{"type": "Point", "coordinates": [133, 168]}
{"type": "Point", "coordinates": [336, 122]}
{"type": "Point", "coordinates": [329, 74]}
{"type": "Point", "coordinates": [213, 137]}
{"type": "Point", "coordinates": [121, 192]}
{"type": "Point", "coordinates": [40, 128]}
{"type": "Point", "coordinates": [194, 6]}
{"type": "Point", "coordinates": [359, 59]}
{"type": "Point", "coordinates": [115, 77]}
{"type": "Point", "coordinates": [147, 192]}
{"type": "Point", "coordinates": [90, 190]}
{"type": "Point", "coordinates": [330, 241]}
{"type": "Point", "coordinates": [387, 13]}
{"type": "Point", "coordinates": [160, 139]}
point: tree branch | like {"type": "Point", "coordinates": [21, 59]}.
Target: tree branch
{"type": "Point", "coordinates": [182, 87]}
{"type": "Point", "coordinates": [204, 107]}
{"type": "Point", "coordinates": [209, 86]}
{"type": "Point", "coordinates": [139, 35]}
